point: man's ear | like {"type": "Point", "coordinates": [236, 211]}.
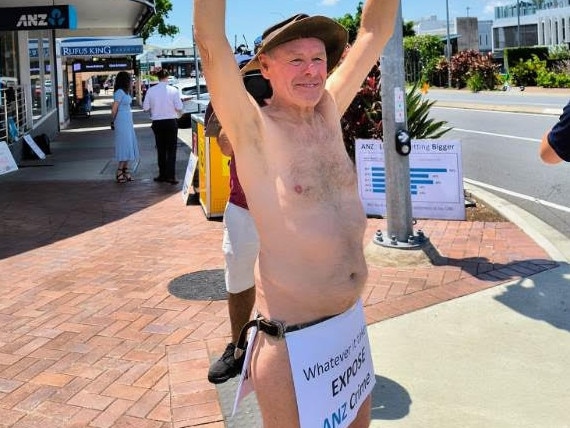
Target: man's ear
{"type": "Point", "coordinates": [263, 65]}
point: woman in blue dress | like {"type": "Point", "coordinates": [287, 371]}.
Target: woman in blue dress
{"type": "Point", "coordinates": [126, 144]}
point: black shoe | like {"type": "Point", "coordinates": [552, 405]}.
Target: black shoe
{"type": "Point", "coordinates": [226, 367]}
{"type": "Point", "coordinates": [159, 179]}
{"type": "Point", "coordinates": [172, 181]}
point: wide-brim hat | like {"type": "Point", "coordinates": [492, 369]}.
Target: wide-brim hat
{"type": "Point", "coordinates": [333, 35]}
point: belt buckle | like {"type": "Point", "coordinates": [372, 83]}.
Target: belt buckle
{"type": "Point", "coordinates": [279, 325]}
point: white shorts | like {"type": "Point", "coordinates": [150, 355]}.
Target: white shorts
{"type": "Point", "coordinates": [241, 247]}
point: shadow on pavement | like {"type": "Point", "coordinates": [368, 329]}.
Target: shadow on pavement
{"type": "Point", "coordinates": [390, 400]}
{"type": "Point", "coordinates": [484, 269]}
{"type": "Point", "coordinates": [75, 190]}
{"type": "Point", "coordinates": [547, 300]}
{"type": "Point", "coordinates": [40, 213]}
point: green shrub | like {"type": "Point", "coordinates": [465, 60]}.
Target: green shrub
{"type": "Point", "coordinates": [476, 82]}
{"type": "Point", "coordinates": [525, 73]}
{"type": "Point", "coordinates": [551, 79]}
{"type": "Point", "coordinates": [420, 125]}
{"type": "Point", "coordinates": [514, 56]}
{"type": "Point", "coordinates": [560, 52]}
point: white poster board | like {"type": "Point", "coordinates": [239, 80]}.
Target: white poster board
{"type": "Point", "coordinates": [30, 141]}
{"type": "Point", "coordinates": [436, 178]}
{"type": "Point", "coordinates": [332, 374]}
{"type": "Point", "coordinates": [7, 162]}
{"type": "Point", "coordinates": [189, 177]}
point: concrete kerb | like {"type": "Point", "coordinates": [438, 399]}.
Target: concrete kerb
{"type": "Point", "coordinates": [498, 107]}
{"type": "Point", "coordinates": [552, 241]}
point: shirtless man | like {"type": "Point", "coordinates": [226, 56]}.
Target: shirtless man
{"type": "Point", "coordinates": [300, 184]}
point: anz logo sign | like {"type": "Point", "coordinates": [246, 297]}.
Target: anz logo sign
{"type": "Point", "coordinates": [39, 20]}
{"type": "Point", "coordinates": [33, 20]}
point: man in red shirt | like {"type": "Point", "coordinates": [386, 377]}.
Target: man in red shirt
{"type": "Point", "coordinates": [240, 243]}
{"type": "Point", "coordinates": [240, 246]}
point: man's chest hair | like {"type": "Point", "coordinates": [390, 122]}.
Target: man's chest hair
{"type": "Point", "coordinates": [313, 170]}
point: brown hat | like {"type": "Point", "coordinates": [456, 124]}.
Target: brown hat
{"type": "Point", "coordinates": [333, 35]}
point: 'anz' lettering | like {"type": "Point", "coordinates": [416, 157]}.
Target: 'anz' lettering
{"type": "Point", "coordinates": [336, 418]}
{"type": "Point", "coordinates": [33, 20]}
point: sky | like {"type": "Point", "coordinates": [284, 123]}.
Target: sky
{"type": "Point", "coordinates": [246, 19]}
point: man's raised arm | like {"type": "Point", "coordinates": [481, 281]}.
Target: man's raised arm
{"type": "Point", "coordinates": [221, 71]}
{"type": "Point", "coordinates": [376, 28]}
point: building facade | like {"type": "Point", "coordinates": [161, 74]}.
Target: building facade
{"type": "Point", "coordinates": [33, 82]}
{"type": "Point", "coordinates": [526, 23]}
{"type": "Point", "coordinates": [465, 32]}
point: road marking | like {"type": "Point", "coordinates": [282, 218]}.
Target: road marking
{"type": "Point", "coordinates": [518, 195]}
{"type": "Point", "coordinates": [546, 111]}
{"type": "Point", "coordinates": [493, 134]}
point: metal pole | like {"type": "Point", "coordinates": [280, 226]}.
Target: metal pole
{"type": "Point", "coordinates": [448, 46]}
{"type": "Point", "coordinates": [398, 194]}
{"type": "Point", "coordinates": [518, 24]}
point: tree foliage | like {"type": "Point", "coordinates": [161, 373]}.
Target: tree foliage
{"type": "Point", "coordinates": [409, 29]}
{"type": "Point", "coordinates": [427, 46]}
{"type": "Point", "coordinates": [352, 23]}
{"type": "Point", "coordinates": [157, 24]}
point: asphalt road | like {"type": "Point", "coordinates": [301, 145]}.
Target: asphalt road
{"type": "Point", "coordinates": [531, 99]}
{"type": "Point", "coordinates": [500, 152]}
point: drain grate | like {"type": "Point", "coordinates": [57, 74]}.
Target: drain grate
{"type": "Point", "coordinates": [201, 285]}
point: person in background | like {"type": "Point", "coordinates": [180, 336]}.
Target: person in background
{"type": "Point", "coordinates": [301, 189]}
{"type": "Point", "coordinates": [240, 246]}
{"type": "Point", "coordinates": [241, 242]}
{"type": "Point", "coordinates": [555, 144]}
{"type": "Point", "coordinates": [165, 106]}
{"type": "Point", "coordinates": [126, 143]}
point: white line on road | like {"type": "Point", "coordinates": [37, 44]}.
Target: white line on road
{"type": "Point", "coordinates": [546, 111]}
{"type": "Point", "coordinates": [517, 195]}
{"type": "Point", "coordinates": [493, 134]}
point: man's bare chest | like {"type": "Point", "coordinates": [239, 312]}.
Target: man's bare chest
{"type": "Point", "coordinates": [312, 169]}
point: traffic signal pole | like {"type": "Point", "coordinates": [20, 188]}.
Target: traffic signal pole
{"type": "Point", "coordinates": [397, 146]}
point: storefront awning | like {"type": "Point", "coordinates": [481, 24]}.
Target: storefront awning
{"type": "Point", "coordinates": [101, 46]}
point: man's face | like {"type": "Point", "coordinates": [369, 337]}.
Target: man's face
{"type": "Point", "coordinates": [297, 70]}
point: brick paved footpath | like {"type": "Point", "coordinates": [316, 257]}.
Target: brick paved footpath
{"type": "Point", "coordinates": [91, 336]}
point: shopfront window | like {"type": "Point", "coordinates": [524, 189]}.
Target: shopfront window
{"type": "Point", "coordinates": [8, 54]}
{"type": "Point", "coordinates": [12, 110]}
{"type": "Point", "coordinates": [41, 73]}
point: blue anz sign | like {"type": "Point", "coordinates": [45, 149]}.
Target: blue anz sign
{"type": "Point", "coordinates": [38, 18]}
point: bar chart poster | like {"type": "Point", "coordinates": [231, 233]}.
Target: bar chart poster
{"type": "Point", "coordinates": [436, 178]}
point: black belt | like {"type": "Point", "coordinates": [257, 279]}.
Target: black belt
{"type": "Point", "coordinates": [274, 328]}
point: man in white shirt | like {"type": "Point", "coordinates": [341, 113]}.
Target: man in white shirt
{"type": "Point", "coordinates": [164, 103]}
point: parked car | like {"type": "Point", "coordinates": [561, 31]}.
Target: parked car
{"type": "Point", "coordinates": [172, 80]}
{"type": "Point", "coordinates": [193, 103]}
